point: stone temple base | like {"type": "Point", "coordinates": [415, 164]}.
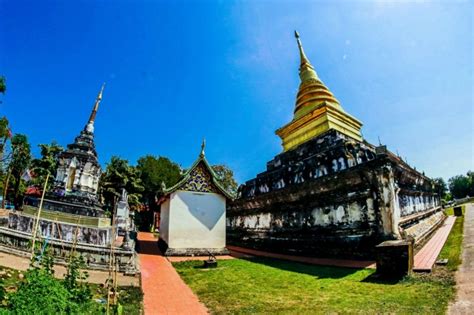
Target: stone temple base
{"type": "Point", "coordinates": [97, 257]}
{"type": "Point", "coordinates": [168, 251]}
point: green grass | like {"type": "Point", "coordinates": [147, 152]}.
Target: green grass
{"type": "Point", "coordinates": [452, 248]}
{"type": "Point", "coordinates": [450, 210]}
{"type": "Point", "coordinates": [269, 286]}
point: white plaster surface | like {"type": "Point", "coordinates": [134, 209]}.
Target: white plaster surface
{"type": "Point", "coordinates": [194, 220]}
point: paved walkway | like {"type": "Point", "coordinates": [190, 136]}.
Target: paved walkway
{"type": "Point", "coordinates": [426, 257]}
{"type": "Point", "coordinates": [464, 303]}
{"type": "Point", "coordinates": [164, 291]}
{"type": "Point", "coordinates": [240, 251]}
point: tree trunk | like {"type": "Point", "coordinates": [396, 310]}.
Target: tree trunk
{"type": "Point", "coordinates": [5, 188]}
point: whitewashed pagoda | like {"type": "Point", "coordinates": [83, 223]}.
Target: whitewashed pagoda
{"type": "Point", "coordinates": [71, 217]}
{"type": "Point", "coordinates": [78, 173]}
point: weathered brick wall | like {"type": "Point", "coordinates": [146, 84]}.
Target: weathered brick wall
{"type": "Point", "coordinates": [331, 196]}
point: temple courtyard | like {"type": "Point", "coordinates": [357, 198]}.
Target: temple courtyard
{"type": "Point", "coordinates": [247, 283]}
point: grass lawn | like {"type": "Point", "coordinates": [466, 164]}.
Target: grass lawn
{"type": "Point", "coordinates": [263, 285]}
{"type": "Point", "coordinates": [267, 286]}
{"type": "Point", "coordinates": [452, 247]}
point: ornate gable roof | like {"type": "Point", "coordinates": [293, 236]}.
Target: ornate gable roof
{"type": "Point", "coordinates": [200, 178]}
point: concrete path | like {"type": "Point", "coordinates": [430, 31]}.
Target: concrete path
{"type": "Point", "coordinates": [241, 252]}
{"type": "Point", "coordinates": [164, 290]}
{"type": "Point", "coordinates": [95, 276]}
{"type": "Point", "coordinates": [464, 303]}
{"type": "Point", "coordinates": [426, 257]}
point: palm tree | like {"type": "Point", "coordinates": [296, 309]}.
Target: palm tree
{"type": "Point", "coordinates": [47, 164]}
{"type": "Point", "coordinates": [117, 176]}
{"type": "Point", "coordinates": [20, 160]}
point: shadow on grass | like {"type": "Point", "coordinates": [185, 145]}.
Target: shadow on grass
{"type": "Point", "coordinates": [376, 278]}
{"type": "Point", "coordinates": [320, 272]}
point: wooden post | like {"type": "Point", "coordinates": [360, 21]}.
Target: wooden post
{"type": "Point", "coordinates": [38, 216]}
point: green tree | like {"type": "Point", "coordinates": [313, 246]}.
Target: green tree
{"type": "Point", "coordinates": [470, 176]}
{"type": "Point", "coordinates": [154, 171]}
{"type": "Point", "coordinates": [20, 160]}
{"type": "Point", "coordinates": [120, 175]}
{"type": "Point", "coordinates": [440, 187]}
{"type": "Point", "coordinates": [226, 178]}
{"type": "Point", "coordinates": [5, 134]}
{"type": "Point", "coordinates": [461, 186]}
{"type": "Point", "coordinates": [47, 163]}
{"type": "Point", "coordinates": [3, 86]}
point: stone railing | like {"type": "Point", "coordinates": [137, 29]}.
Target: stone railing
{"type": "Point", "coordinates": [66, 217]}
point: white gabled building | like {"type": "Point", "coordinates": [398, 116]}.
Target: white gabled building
{"type": "Point", "coordinates": [193, 213]}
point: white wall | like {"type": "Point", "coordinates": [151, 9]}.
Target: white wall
{"type": "Point", "coordinates": [164, 220]}
{"type": "Point", "coordinates": [196, 220]}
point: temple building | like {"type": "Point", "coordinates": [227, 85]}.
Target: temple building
{"type": "Point", "coordinates": [193, 213]}
{"type": "Point", "coordinates": [330, 192]}
{"type": "Point", "coordinates": [71, 214]}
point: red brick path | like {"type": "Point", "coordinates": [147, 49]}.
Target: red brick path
{"type": "Point", "coordinates": [164, 291]}
{"type": "Point", "coordinates": [426, 257]}
{"type": "Point", "coordinates": [240, 251]}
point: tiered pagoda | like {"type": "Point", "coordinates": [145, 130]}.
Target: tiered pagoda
{"type": "Point", "coordinates": [73, 200]}
{"type": "Point", "coordinates": [71, 217]}
{"type": "Point", "coordinates": [78, 173]}
{"type": "Point", "coordinates": [330, 192]}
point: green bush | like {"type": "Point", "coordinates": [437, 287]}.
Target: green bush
{"type": "Point", "coordinates": [41, 293]}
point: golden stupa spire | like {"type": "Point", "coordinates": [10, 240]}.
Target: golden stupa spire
{"type": "Point", "coordinates": [90, 123]}
{"type": "Point", "coordinates": [306, 68]}
{"type": "Point", "coordinates": [312, 92]}
{"type": "Point", "coordinates": [316, 109]}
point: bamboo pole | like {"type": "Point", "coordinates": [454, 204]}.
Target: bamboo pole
{"type": "Point", "coordinates": [111, 258]}
{"type": "Point", "coordinates": [38, 216]}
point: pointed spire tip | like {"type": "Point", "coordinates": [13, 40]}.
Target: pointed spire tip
{"type": "Point", "coordinates": [203, 146]}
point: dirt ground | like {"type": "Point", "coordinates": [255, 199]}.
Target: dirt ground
{"type": "Point", "coordinates": [95, 276]}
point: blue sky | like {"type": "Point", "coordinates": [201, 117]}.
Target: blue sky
{"type": "Point", "coordinates": [178, 71]}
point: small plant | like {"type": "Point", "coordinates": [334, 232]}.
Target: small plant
{"type": "Point", "coordinates": [74, 280]}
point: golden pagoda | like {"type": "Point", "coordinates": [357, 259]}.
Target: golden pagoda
{"type": "Point", "coordinates": [316, 110]}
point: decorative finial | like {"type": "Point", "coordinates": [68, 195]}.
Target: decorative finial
{"type": "Point", "coordinates": [99, 96]}
{"type": "Point", "coordinates": [163, 186]}
{"type": "Point", "coordinates": [306, 69]}
{"type": "Point", "coordinates": [90, 123]}
{"type": "Point", "coordinates": [304, 60]}
{"type": "Point", "coordinates": [203, 146]}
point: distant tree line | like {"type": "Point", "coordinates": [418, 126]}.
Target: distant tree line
{"type": "Point", "coordinates": [459, 186]}
{"type": "Point", "coordinates": [143, 181]}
